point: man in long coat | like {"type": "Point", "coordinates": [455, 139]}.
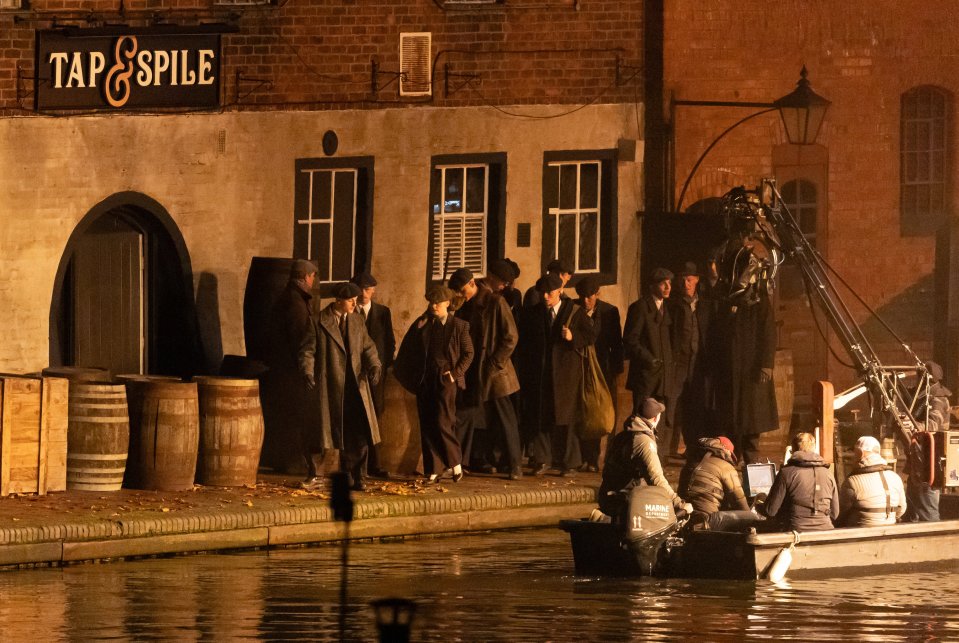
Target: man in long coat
{"type": "Point", "coordinates": [646, 338]}
{"type": "Point", "coordinates": [342, 360]}
{"type": "Point", "coordinates": [746, 395]}
{"type": "Point", "coordinates": [288, 406]}
{"type": "Point", "coordinates": [552, 338]}
{"type": "Point", "coordinates": [491, 378]}
{"type": "Point", "coordinates": [609, 352]}
{"type": "Point", "coordinates": [691, 357]}
{"type": "Point", "coordinates": [379, 324]}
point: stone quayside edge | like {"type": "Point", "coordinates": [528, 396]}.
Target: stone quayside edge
{"type": "Point", "coordinates": [212, 530]}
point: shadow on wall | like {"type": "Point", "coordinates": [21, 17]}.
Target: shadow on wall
{"type": "Point", "coordinates": [911, 315]}
{"type": "Point", "coordinates": [208, 320]}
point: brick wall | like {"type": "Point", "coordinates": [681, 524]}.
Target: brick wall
{"type": "Point", "coordinates": [862, 55]}
{"type": "Point", "coordinates": [318, 54]}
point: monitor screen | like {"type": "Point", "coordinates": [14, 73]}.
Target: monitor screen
{"type": "Point", "coordinates": [758, 478]}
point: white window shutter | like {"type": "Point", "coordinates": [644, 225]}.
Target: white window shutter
{"type": "Point", "coordinates": [415, 63]}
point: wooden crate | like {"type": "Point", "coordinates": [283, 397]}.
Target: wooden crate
{"type": "Point", "coordinates": [33, 434]}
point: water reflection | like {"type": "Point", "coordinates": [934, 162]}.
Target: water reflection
{"type": "Point", "coordinates": [515, 586]}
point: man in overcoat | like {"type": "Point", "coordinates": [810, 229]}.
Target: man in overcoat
{"type": "Point", "coordinates": [553, 335]}
{"type": "Point", "coordinates": [691, 357]}
{"type": "Point", "coordinates": [379, 324]}
{"type": "Point", "coordinates": [609, 351]}
{"type": "Point", "coordinates": [341, 360]}
{"type": "Point", "coordinates": [491, 378]}
{"type": "Point", "coordinates": [288, 406]}
{"type": "Point", "coordinates": [646, 338]}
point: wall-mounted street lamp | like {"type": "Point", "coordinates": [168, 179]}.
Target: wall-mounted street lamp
{"type": "Point", "coordinates": [802, 112]}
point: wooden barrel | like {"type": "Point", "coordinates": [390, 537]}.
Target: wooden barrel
{"type": "Point", "coordinates": [231, 431]}
{"type": "Point", "coordinates": [135, 384]}
{"type": "Point", "coordinates": [98, 436]}
{"type": "Point", "coordinates": [79, 373]}
{"type": "Point", "coordinates": [772, 445]}
{"type": "Point", "coordinates": [169, 436]}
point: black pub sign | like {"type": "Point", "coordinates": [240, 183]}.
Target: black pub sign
{"type": "Point", "coordinates": [136, 69]}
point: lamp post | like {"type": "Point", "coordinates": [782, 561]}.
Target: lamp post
{"type": "Point", "coordinates": [802, 112]}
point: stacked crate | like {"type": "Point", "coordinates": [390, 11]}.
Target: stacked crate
{"type": "Point", "coordinates": [33, 434]}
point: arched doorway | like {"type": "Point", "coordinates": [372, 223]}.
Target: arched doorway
{"type": "Point", "coordinates": [123, 295]}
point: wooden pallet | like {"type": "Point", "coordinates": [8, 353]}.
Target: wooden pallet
{"type": "Point", "coordinates": [33, 434]}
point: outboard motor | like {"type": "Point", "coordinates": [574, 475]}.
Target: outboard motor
{"type": "Point", "coordinates": [650, 521]}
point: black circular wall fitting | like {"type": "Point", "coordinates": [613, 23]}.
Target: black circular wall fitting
{"type": "Point", "coordinates": [330, 143]}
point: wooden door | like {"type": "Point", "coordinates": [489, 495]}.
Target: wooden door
{"type": "Point", "coordinates": [108, 320]}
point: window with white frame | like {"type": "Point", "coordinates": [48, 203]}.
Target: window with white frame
{"type": "Point", "coordinates": [466, 209]}
{"type": "Point", "coordinates": [332, 215]}
{"type": "Point", "coordinates": [578, 213]}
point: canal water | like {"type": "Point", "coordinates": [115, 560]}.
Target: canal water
{"type": "Point", "coordinates": [512, 586]}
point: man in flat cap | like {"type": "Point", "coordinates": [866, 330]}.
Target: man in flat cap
{"type": "Point", "coordinates": [340, 360]}
{"type": "Point", "coordinates": [432, 363]}
{"type": "Point", "coordinates": [646, 338]}
{"type": "Point", "coordinates": [557, 267]}
{"type": "Point", "coordinates": [553, 335]}
{"type": "Point", "coordinates": [609, 351]}
{"type": "Point", "coordinates": [379, 324]}
{"type": "Point", "coordinates": [288, 407]}
{"type": "Point", "coordinates": [491, 378]}
{"type": "Point", "coordinates": [690, 328]}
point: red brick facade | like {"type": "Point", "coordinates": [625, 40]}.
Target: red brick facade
{"type": "Point", "coordinates": [862, 56]}
{"type": "Point", "coordinates": [317, 54]}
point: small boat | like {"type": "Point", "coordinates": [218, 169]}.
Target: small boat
{"type": "Point", "coordinates": [598, 551]}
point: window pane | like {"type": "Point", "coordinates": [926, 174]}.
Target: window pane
{"type": "Point", "coordinates": [807, 192]}
{"type": "Point", "coordinates": [567, 187]}
{"type": "Point", "coordinates": [343, 215]}
{"type": "Point", "coordinates": [589, 185]}
{"type": "Point", "coordinates": [588, 241]}
{"type": "Point", "coordinates": [321, 195]}
{"type": "Point", "coordinates": [788, 192]}
{"type": "Point", "coordinates": [807, 220]}
{"type": "Point", "coordinates": [436, 184]}
{"type": "Point", "coordinates": [454, 190]}
{"type": "Point", "coordinates": [567, 238]}
{"type": "Point", "coordinates": [476, 189]}
{"type": "Point", "coordinates": [551, 187]}
{"type": "Point", "coordinates": [320, 249]}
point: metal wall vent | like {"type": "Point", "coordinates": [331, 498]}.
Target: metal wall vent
{"type": "Point", "coordinates": [415, 62]}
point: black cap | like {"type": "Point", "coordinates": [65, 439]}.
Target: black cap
{"type": "Point", "coordinates": [300, 268]}
{"type": "Point", "coordinates": [437, 293]}
{"type": "Point", "coordinates": [460, 278]}
{"type": "Point", "coordinates": [514, 266]}
{"type": "Point", "coordinates": [501, 269]}
{"type": "Point", "coordinates": [557, 266]}
{"type": "Point", "coordinates": [363, 280]}
{"type": "Point", "coordinates": [587, 286]}
{"type": "Point", "coordinates": [346, 290]}
{"type": "Point", "coordinates": [689, 268]}
{"type": "Point", "coordinates": [549, 282]}
{"type": "Point", "coordinates": [651, 408]}
{"type": "Point", "coordinates": [660, 274]}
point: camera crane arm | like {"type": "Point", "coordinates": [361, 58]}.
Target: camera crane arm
{"type": "Point", "coordinates": [781, 230]}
